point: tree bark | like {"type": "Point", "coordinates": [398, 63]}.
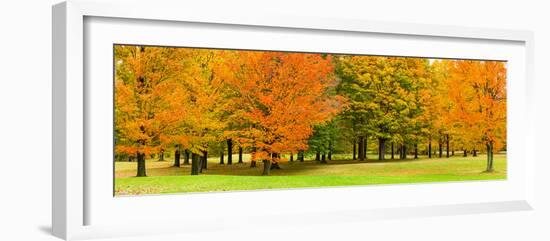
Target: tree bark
{"type": "Point", "coordinates": [141, 165]}
{"type": "Point", "coordinates": [365, 149]}
{"type": "Point", "coordinates": [360, 146]}
{"type": "Point", "coordinates": [291, 157]}
{"type": "Point", "coordinates": [177, 158]}
{"type": "Point", "coordinates": [474, 152]}
{"type": "Point", "coordinates": [318, 156]}
{"type": "Point", "coordinates": [161, 155]}
{"type": "Point", "coordinates": [240, 154]}
{"type": "Point", "coordinates": [447, 144]}
{"type": "Point", "coordinates": [204, 163]}
{"type": "Point", "coordinates": [430, 148]}
{"type": "Point", "coordinates": [415, 151]}
{"type": "Point", "coordinates": [229, 151]}
{"type": "Point", "coordinates": [301, 156]}
{"type": "Point", "coordinates": [392, 151]}
{"type": "Point", "coordinates": [490, 157]}
{"type": "Point", "coordinates": [381, 148]}
{"type": "Point", "coordinates": [403, 151]}
{"type": "Point", "coordinates": [465, 153]}
{"type": "Point", "coordinates": [221, 157]}
{"type": "Point", "coordinates": [195, 164]}
{"type": "Point", "coordinates": [440, 149]}
{"type": "Point", "coordinates": [267, 167]}
{"type": "Point", "coordinates": [252, 163]}
{"type": "Point", "coordinates": [323, 158]}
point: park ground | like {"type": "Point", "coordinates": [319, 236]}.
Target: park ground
{"type": "Point", "coordinates": [163, 177]}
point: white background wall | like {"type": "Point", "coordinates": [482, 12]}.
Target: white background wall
{"type": "Point", "coordinates": [25, 120]}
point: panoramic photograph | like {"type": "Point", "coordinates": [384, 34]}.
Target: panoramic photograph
{"type": "Point", "coordinates": [190, 120]}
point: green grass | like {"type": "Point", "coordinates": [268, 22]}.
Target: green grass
{"type": "Point", "coordinates": [163, 178]}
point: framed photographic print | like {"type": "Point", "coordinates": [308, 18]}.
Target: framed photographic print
{"type": "Point", "coordinates": [162, 109]}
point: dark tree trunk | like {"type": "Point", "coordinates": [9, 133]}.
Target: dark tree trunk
{"type": "Point", "coordinates": [229, 151]}
{"type": "Point", "coordinates": [195, 164]}
{"type": "Point", "coordinates": [489, 157]}
{"type": "Point", "coordinates": [141, 165]}
{"type": "Point", "coordinates": [430, 148]}
{"type": "Point", "coordinates": [415, 151]}
{"type": "Point", "coordinates": [323, 158]}
{"type": "Point", "coordinates": [381, 148]}
{"type": "Point", "coordinates": [291, 157]}
{"type": "Point", "coordinates": [474, 152]}
{"type": "Point", "coordinates": [301, 156]}
{"type": "Point", "coordinates": [360, 146]}
{"type": "Point", "coordinates": [317, 156]}
{"type": "Point", "coordinates": [440, 149]}
{"type": "Point", "coordinates": [204, 163]}
{"type": "Point", "coordinates": [447, 144]}
{"type": "Point", "coordinates": [240, 154]}
{"type": "Point", "coordinates": [354, 149]}
{"type": "Point", "coordinates": [221, 157]}
{"type": "Point", "coordinates": [252, 164]}
{"type": "Point", "coordinates": [365, 149]}
{"type": "Point", "coordinates": [186, 157]}
{"type": "Point", "coordinates": [465, 153]}
{"type": "Point", "coordinates": [161, 155]}
{"type": "Point", "coordinates": [403, 151]}
{"type": "Point", "coordinates": [453, 151]}
{"type": "Point", "coordinates": [177, 158]}
{"type": "Point", "coordinates": [392, 151]}
{"type": "Point", "coordinates": [267, 167]}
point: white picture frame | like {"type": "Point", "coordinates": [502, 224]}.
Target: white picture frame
{"type": "Point", "coordinates": [72, 189]}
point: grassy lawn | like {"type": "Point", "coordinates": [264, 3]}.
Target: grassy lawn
{"type": "Point", "coordinates": [164, 178]}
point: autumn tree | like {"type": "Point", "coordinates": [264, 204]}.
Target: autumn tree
{"type": "Point", "coordinates": [480, 102]}
{"type": "Point", "coordinates": [143, 114]}
{"type": "Point", "coordinates": [281, 96]}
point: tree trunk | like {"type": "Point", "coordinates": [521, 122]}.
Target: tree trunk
{"type": "Point", "coordinates": [318, 156]}
{"type": "Point", "coordinates": [360, 146]}
{"type": "Point", "coordinates": [252, 163]}
{"type": "Point", "coordinates": [186, 157]}
{"type": "Point", "coordinates": [354, 149]}
{"type": "Point", "coordinates": [474, 152]}
{"type": "Point", "coordinates": [177, 158]}
{"type": "Point", "coordinates": [381, 148]}
{"type": "Point", "coordinates": [392, 151]}
{"type": "Point", "coordinates": [415, 151]}
{"type": "Point", "coordinates": [323, 158]}
{"type": "Point", "coordinates": [301, 156]}
{"type": "Point", "coordinates": [365, 149]}
{"type": "Point", "coordinates": [195, 164]}
{"type": "Point", "coordinates": [291, 157]}
{"type": "Point", "coordinates": [447, 142]}
{"type": "Point", "coordinates": [465, 153]}
{"type": "Point", "coordinates": [221, 157]}
{"type": "Point", "coordinates": [141, 165]}
{"type": "Point", "coordinates": [267, 167]}
{"type": "Point", "coordinates": [204, 163]}
{"type": "Point", "coordinates": [403, 152]}
{"type": "Point", "coordinates": [240, 154]}
{"type": "Point", "coordinates": [440, 149]}
{"type": "Point", "coordinates": [430, 148]}
{"type": "Point", "coordinates": [161, 155]}
{"type": "Point", "coordinates": [229, 151]}
{"type": "Point", "coordinates": [490, 157]}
